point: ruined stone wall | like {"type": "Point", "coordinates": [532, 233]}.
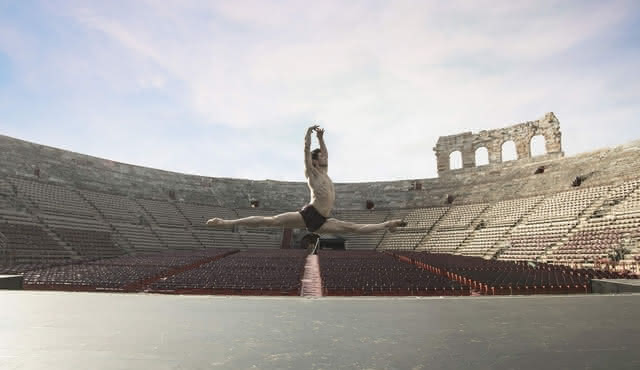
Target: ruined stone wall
{"type": "Point", "coordinates": [521, 134]}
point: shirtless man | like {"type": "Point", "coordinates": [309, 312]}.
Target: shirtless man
{"type": "Point", "coordinates": [315, 215]}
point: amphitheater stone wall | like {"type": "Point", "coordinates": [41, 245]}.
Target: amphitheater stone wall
{"type": "Point", "coordinates": [506, 180]}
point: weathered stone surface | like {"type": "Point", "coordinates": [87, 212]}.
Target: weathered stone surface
{"type": "Point", "coordinates": [521, 134]}
{"type": "Point", "coordinates": [493, 182]}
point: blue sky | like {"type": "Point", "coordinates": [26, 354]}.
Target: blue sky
{"type": "Point", "coordinates": [228, 88]}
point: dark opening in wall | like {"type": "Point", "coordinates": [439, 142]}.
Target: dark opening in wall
{"type": "Point", "coordinates": [450, 198]}
{"type": "Point", "coordinates": [539, 170]}
{"type": "Point", "coordinates": [36, 172]}
{"type": "Point", "coordinates": [255, 203]}
{"type": "Point", "coordinates": [172, 194]}
{"type": "Point", "coordinates": [578, 181]}
{"type": "Point", "coordinates": [370, 204]}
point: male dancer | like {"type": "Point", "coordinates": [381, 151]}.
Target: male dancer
{"type": "Point", "coordinates": [315, 215]}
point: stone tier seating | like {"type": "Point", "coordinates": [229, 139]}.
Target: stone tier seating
{"type": "Point", "coordinates": [89, 237]}
{"type": "Point", "coordinates": [141, 238]}
{"type": "Point", "coordinates": [401, 239]}
{"type": "Point", "coordinates": [364, 216]}
{"type": "Point", "coordinates": [460, 217]}
{"type": "Point", "coordinates": [115, 208]}
{"type": "Point", "coordinates": [530, 241]}
{"type": "Point", "coordinates": [567, 205]}
{"type": "Point", "coordinates": [509, 277]}
{"type": "Point", "coordinates": [424, 218]}
{"type": "Point", "coordinates": [164, 213]}
{"type": "Point", "coordinates": [27, 242]}
{"type": "Point", "coordinates": [53, 199]}
{"type": "Point", "coordinates": [178, 238]}
{"type": "Point", "coordinates": [587, 246]}
{"type": "Point", "coordinates": [198, 214]}
{"type": "Point", "coordinates": [372, 273]}
{"type": "Point", "coordinates": [444, 241]}
{"type": "Point", "coordinates": [219, 238]}
{"type": "Point", "coordinates": [508, 212]}
{"type": "Point", "coordinates": [253, 271]}
{"type": "Point", "coordinates": [629, 206]}
{"type": "Point", "coordinates": [483, 240]}
{"type": "Point", "coordinates": [362, 241]}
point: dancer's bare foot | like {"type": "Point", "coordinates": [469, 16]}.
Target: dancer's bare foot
{"type": "Point", "coordinates": [395, 224]}
{"type": "Point", "coordinates": [216, 222]}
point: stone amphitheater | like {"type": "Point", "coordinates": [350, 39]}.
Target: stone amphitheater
{"type": "Point", "coordinates": [63, 211]}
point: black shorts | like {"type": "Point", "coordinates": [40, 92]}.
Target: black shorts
{"type": "Point", "coordinates": [312, 218]}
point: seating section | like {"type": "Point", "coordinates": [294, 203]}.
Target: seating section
{"type": "Point", "coordinates": [502, 277]}
{"type": "Point", "coordinates": [53, 199]}
{"type": "Point", "coordinates": [444, 241]}
{"type": "Point", "coordinates": [362, 241]}
{"type": "Point", "coordinates": [568, 205]}
{"type": "Point", "coordinates": [126, 273]}
{"type": "Point", "coordinates": [141, 238]}
{"type": "Point", "coordinates": [164, 213]}
{"type": "Point", "coordinates": [115, 208]}
{"type": "Point", "coordinates": [269, 272]}
{"type": "Point", "coordinates": [508, 212]}
{"type": "Point", "coordinates": [424, 218]}
{"type": "Point", "coordinates": [178, 238]}
{"type": "Point", "coordinates": [374, 273]}
{"type": "Point", "coordinates": [27, 242]}
{"type": "Point", "coordinates": [531, 241]}
{"type": "Point", "coordinates": [401, 239]}
{"type": "Point", "coordinates": [198, 214]}
{"type": "Point", "coordinates": [460, 217]}
{"type": "Point", "coordinates": [482, 240]}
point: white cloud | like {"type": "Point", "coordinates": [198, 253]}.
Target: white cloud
{"type": "Point", "coordinates": [386, 79]}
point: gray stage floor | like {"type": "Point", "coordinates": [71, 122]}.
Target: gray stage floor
{"type": "Point", "coordinates": [57, 330]}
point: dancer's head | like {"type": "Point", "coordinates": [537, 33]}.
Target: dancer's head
{"type": "Point", "coordinates": [318, 158]}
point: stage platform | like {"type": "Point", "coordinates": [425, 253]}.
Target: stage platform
{"type": "Point", "coordinates": [11, 282]}
{"type": "Point", "coordinates": [65, 330]}
{"type": "Point", "coordinates": [610, 286]}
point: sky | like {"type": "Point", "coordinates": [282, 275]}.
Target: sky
{"type": "Point", "coordinates": [228, 88]}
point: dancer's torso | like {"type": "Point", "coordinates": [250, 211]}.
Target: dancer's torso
{"type": "Point", "coordinates": [323, 194]}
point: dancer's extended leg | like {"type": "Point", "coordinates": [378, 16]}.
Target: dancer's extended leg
{"type": "Point", "coordinates": [291, 220]}
{"type": "Point", "coordinates": [337, 226]}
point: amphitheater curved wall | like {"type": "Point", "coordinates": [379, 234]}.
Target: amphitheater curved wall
{"type": "Point", "coordinates": [493, 182]}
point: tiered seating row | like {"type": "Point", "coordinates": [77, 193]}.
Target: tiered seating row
{"type": "Point", "coordinates": [483, 240]}
{"type": "Point", "coordinates": [401, 239]}
{"type": "Point", "coordinates": [424, 218]}
{"type": "Point", "coordinates": [163, 212]}
{"type": "Point", "coordinates": [115, 207]}
{"type": "Point", "coordinates": [460, 217]}
{"type": "Point", "coordinates": [198, 214]}
{"type": "Point", "coordinates": [508, 212]}
{"type": "Point", "coordinates": [373, 273]}
{"type": "Point", "coordinates": [54, 199]}
{"type": "Point", "coordinates": [30, 243]}
{"type": "Point", "coordinates": [567, 205]}
{"type": "Point", "coordinates": [530, 241]}
{"type": "Point", "coordinates": [444, 241]}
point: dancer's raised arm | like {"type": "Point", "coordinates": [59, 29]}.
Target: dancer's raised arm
{"type": "Point", "coordinates": [323, 147]}
{"type": "Point", "coordinates": [307, 151]}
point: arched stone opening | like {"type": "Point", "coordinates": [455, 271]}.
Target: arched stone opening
{"type": "Point", "coordinates": [509, 152]}
{"type": "Point", "coordinates": [482, 156]}
{"type": "Point", "coordinates": [538, 145]}
{"type": "Point", "coordinates": [455, 160]}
